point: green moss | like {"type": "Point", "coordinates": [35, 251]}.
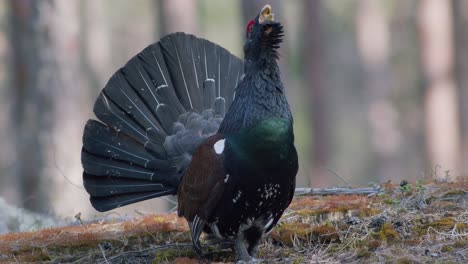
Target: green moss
{"type": "Point", "coordinates": [453, 193]}
{"type": "Point", "coordinates": [387, 233]}
{"type": "Point", "coordinates": [299, 260]}
{"type": "Point", "coordinates": [443, 224]}
{"type": "Point", "coordinates": [405, 260]}
{"type": "Point", "coordinates": [446, 249]}
{"type": "Point", "coordinates": [461, 227]}
{"type": "Point", "coordinates": [460, 244]}
{"type": "Point", "coordinates": [363, 253]}
{"type": "Point", "coordinates": [287, 232]}
{"type": "Point", "coordinates": [171, 254]}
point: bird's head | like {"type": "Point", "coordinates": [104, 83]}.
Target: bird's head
{"type": "Point", "coordinates": [263, 36]}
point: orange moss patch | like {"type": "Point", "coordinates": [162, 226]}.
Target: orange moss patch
{"type": "Point", "coordinates": [186, 261]}
{"type": "Point", "coordinates": [90, 234]}
{"type": "Point", "coordinates": [326, 233]}
{"type": "Point", "coordinates": [412, 242]}
{"type": "Point", "coordinates": [317, 205]}
{"type": "Point", "coordinates": [286, 233]}
{"type": "Point", "coordinates": [373, 244]}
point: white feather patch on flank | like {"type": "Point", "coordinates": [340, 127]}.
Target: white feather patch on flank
{"type": "Point", "coordinates": [219, 146]}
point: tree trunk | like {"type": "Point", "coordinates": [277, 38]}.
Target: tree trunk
{"type": "Point", "coordinates": [314, 83]}
{"type": "Point", "coordinates": [177, 16]}
{"type": "Point", "coordinates": [6, 105]}
{"type": "Point", "coordinates": [32, 69]}
{"type": "Point", "coordinates": [460, 23]}
{"type": "Point", "coordinates": [442, 127]}
{"type": "Point", "coordinates": [95, 44]}
{"type": "Point", "coordinates": [373, 34]}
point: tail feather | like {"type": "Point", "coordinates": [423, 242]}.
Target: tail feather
{"type": "Point", "coordinates": [102, 187]}
{"type": "Point", "coordinates": [182, 66]}
{"type": "Point", "coordinates": [109, 113]}
{"type": "Point", "coordinates": [103, 204]}
{"type": "Point", "coordinates": [154, 112]}
{"type": "Point", "coordinates": [153, 61]}
{"type": "Point", "coordinates": [103, 167]}
{"type": "Point", "coordinates": [133, 101]}
{"type": "Point", "coordinates": [103, 141]}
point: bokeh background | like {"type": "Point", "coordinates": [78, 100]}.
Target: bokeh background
{"type": "Point", "coordinates": [379, 89]}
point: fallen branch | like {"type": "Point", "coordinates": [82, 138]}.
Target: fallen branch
{"type": "Point", "coordinates": [337, 191]}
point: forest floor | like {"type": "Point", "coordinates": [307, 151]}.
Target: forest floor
{"type": "Point", "coordinates": [422, 222]}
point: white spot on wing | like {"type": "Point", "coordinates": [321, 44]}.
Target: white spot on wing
{"type": "Point", "coordinates": [219, 146]}
{"type": "Point", "coordinates": [226, 178]}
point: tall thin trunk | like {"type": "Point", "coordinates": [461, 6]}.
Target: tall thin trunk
{"type": "Point", "coordinates": [460, 23]}
{"type": "Point", "coordinates": [6, 133]}
{"type": "Point", "coordinates": [95, 44]}
{"type": "Point", "coordinates": [177, 15]}
{"type": "Point", "coordinates": [314, 83]}
{"type": "Point", "coordinates": [373, 34]}
{"type": "Point", "coordinates": [69, 97]}
{"type": "Point", "coordinates": [442, 127]}
{"type": "Point", "coordinates": [406, 77]}
{"type": "Point", "coordinates": [30, 115]}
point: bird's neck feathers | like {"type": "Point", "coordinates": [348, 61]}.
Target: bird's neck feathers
{"type": "Point", "coordinates": [259, 97]}
{"type": "Point", "coordinates": [261, 52]}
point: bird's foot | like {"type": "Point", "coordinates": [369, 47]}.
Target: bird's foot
{"type": "Point", "coordinates": [242, 255]}
{"type": "Point", "coordinates": [251, 260]}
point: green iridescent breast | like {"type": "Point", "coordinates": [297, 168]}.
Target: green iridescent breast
{"type": "Point", "coordinates": [268, 143]}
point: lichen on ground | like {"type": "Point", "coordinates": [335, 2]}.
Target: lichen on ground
{"type": "Point", "coordinates": [426, 221]}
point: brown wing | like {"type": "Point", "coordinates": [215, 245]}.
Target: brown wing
{"type": "Point", "coordinates": [202, 186]}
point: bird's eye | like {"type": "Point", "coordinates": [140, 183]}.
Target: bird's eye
{"type": "Point", "coordinates": [249, 27]}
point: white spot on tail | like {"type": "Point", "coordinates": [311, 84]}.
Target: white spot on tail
{"type": "Point", "coordinates": [219, 146]}
{"type": "Point", "coordinates": [214, 228]}
{"type": "Point", "coordinates": [269, 223]}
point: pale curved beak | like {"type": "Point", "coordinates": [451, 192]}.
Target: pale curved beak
{"type": "Point", "coordinates": [266, 15]}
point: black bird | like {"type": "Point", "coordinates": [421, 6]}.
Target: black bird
{"type": "Point", "coordinates": [164, 130]}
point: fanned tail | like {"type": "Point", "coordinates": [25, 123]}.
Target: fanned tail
{"type": "Point", "coordinates": [153, 113]}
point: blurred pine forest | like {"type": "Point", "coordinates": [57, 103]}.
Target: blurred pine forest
{"type": "Point", "coordinates": [379, 89]}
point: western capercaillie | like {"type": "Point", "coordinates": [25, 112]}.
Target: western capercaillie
{"type": "Point", "coordinates": [185, 117]}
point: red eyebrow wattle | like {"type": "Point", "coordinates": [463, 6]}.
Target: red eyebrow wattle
{"type": "Point", "coordinates": [249, 25]}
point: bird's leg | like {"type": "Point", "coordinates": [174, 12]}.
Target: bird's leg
{"type": "Point", "coordinates": [241, 250]}
{"type": "Point", "coordinates": [253, 250]}
{"type": "Point", "coordinates": [253, 236]}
